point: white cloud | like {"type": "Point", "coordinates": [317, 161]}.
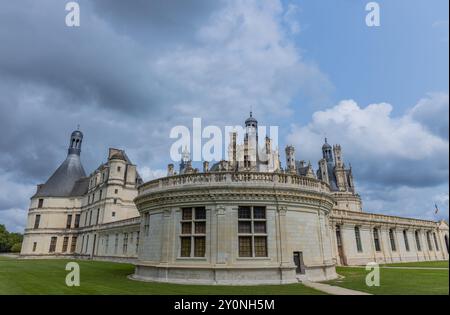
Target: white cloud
{"type": "Point", "coordinates": [397, 161]}
{"type": "Point", "coordinates": [14, 219]}
{"type": "Point", "coordinates": [235, 65]}
{"type": "Point", "coordinates": [148, 174]}
{"type": "Point", "coordinates": [370, 131]}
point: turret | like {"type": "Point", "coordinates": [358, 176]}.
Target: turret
{"type": "Point", "coordinates": [290, 159]}
{"type": "Point", "coordinates": [338, 156]}
{"type": "Point", "coordinates": [326, 152]}
{"type": "Point", "coordinates": [205, 167]}
{"type": "Point", "coordinates": [268, 145]}
{"type": "Point", "coordinates": [251, 125]}
{"type": "Point", "coordinates": [310, 171]}
{"type": "Point", "coordinates": [323, 171]}
{"type": "Point", "coordinates": [170, 170]}
{"type": "Point", "coordinates": [251, 143]}
{"type": "Point", "coordinates": [186, 163]}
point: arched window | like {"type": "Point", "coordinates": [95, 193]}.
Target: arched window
{"type": "Point", "coordinates": [358, 239]}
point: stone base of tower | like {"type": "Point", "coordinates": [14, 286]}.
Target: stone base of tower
{"type": "Point", "coordinates": [230, 276]}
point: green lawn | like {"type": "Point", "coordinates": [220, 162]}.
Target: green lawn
{"type": "Point", "coordinates": [396, 281]}
{"type": "Point", "coordinates": [48, 277]}
{"type": "Point", "coordinates": [430, 264]}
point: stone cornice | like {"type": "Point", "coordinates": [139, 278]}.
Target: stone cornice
{"type": "Point", "coordinates": [233, 194]}
{"type": "Point", "coordinates": [372, 219]}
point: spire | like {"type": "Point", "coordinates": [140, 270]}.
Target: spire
{"type": "Point", "coordinates": [75, 142]}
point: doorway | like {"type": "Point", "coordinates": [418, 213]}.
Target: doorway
{"type": "Point", "coordinates": [298, 261]}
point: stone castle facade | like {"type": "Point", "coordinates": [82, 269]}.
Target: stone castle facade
{"type": "Point", "coordinates": [245, 220]}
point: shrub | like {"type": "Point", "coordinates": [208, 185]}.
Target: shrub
{"type": "Point", "coordinates": [16, 247]}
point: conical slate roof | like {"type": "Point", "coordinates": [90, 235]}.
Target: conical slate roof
{"type": "Point", "coordinates": [65, 181]}
{"type": "Point", "coordinates": [62, 182]}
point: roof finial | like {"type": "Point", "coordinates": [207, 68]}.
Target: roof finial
{"type": "Point", "coordinates": [78, 127]}
{"type": "Point", "coordinates": [251, 110]}
{"type": "Point", "coordinates": [326, 140]}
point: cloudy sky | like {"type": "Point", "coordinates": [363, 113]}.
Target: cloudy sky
{"type": "Point", "coordinates": [131, 72]}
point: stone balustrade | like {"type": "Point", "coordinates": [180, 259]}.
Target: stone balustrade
{"type": "Point", "coordinates": [238, 178]}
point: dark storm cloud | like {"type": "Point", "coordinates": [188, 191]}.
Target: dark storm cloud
{"type": "Point", "coordinates": [100, 72]}
{"type": "Point", "coordinates": [94, 65]}
{"type": "Point", "coordinates": [168, 22]}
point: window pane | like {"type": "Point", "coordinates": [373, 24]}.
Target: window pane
{"type": "Point", "coordinates": [259, 212]}
{"type": "Point", "coordinates": [405, 236]}
{"type": "Point", "coordinates": [186, 228]}
{"type": "Point", "coordinates": [65, 243]}
{"type": "Point", "coordinates": [392, 240]}
{"type": "Point", "coordinates": [52, 244]}
{"type": "Point", "coordinates": [187, 213]}
{"type": "Point", "coordinates": [419, 247]}
{"type": "Point", "coordinates": [260, 246]}
{"type": "Point", "coordinates": [435, 241]}
{"type": "Point", "coordinates": [358, 239]}
{"type": "Point", "coordinates": [244, 213]}
{"type": "Point", "coordinates": [200, 213]}
{"type": "Point", "coordinates": [199, 246]}
{"type": "Point", "coordinates": [376, 240]}
{"type": "Point", "coordinates": [245, 246]}
{"type": "Point", "coordinates": [37, 220]}
{"type": "Point", "coordinates": [259, 227]}
{"type": "Point", "coordinates": [74, 244]}
{"type": "Point", "coordinates": [185, 247]}
{"type": "Point", "coordinates": [245, 227]}
{"type": "Point", "coordinates": [200, 227]}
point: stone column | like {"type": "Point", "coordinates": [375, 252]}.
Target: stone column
{"type": "Point", "coordinates": [285, 259]}
{"type": "Point", "coordinates": [222, 235]}
{"type": "Point", "coordinates": [166, 239]}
